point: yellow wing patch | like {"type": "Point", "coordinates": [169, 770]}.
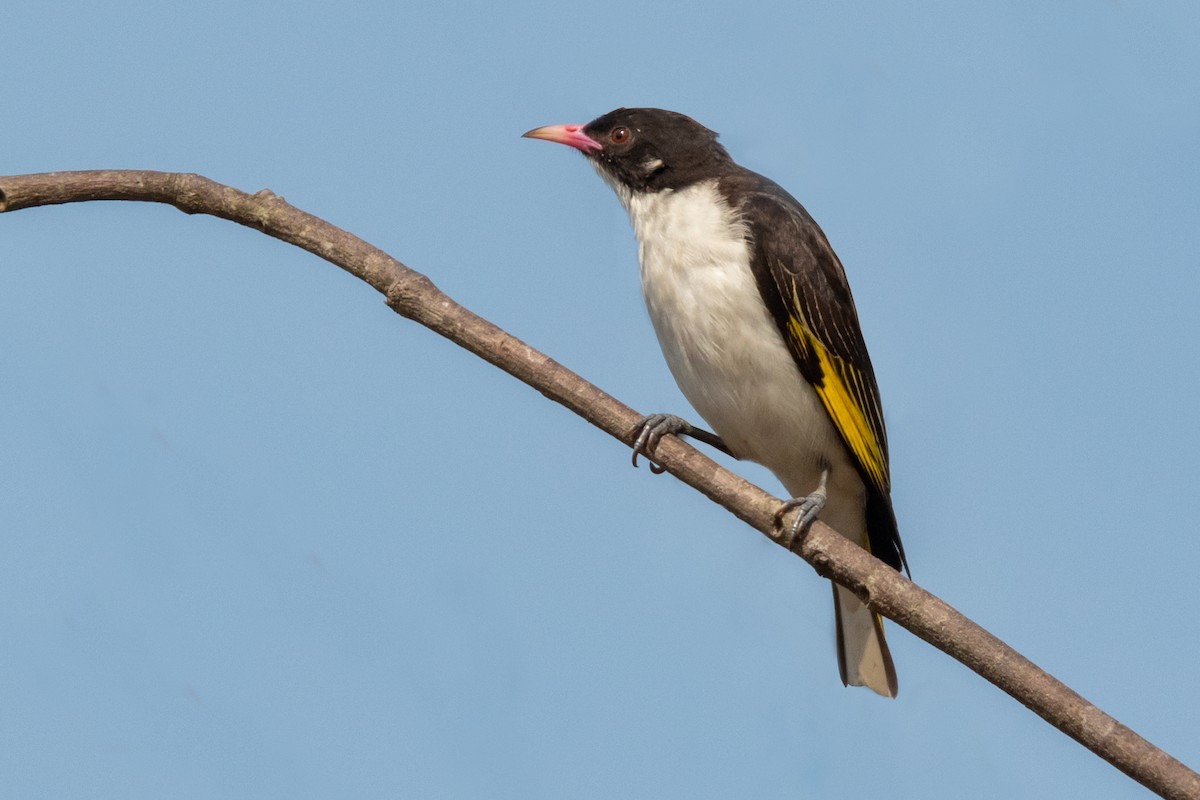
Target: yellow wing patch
{"type": "Point", "coordinates": [844, 405]}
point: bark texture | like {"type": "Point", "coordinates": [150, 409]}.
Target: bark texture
{"type": "Point", "coordinates": [414, 296]}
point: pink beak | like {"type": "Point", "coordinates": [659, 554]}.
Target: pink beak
{"type": "Point", "coordinates": [570, 135]}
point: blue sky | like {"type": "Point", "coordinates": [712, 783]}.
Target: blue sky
{"type": "Point", "coordinates": [263, 538]}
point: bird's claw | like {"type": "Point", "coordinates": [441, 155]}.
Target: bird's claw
{"type": "Point", "coordinates": [650, 431]}
{"type": "Point", "coordinates": [807, 508]}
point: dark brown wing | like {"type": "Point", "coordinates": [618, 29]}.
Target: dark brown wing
{"type": "Point", "coordinates": [804, 285]}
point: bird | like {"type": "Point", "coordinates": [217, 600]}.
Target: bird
{"type": "Point", "coordinates": [758, 327]}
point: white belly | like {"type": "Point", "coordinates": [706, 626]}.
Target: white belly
{"type": "Point", "coordinates": [724, 349]}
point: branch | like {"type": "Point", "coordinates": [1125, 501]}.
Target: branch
{"type": "Point", "coordinates": [414, 296]}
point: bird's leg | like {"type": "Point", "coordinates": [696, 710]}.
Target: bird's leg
{"type": "Point", "coordinates": [809, 509]}
{"type": "Point", "coordinates": [652, 428]}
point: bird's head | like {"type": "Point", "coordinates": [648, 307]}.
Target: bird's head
{"type": "Point", "coordinates": [643, 149]}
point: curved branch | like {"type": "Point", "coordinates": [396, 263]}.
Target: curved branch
{"type": "Point", "coordinates": [414, 296]}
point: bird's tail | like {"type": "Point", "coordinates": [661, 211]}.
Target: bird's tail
{"type": "Point", "coordinates": [863, 657]}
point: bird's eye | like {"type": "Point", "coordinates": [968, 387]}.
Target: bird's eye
{"type": "Point", "coordinates": [619, 135]}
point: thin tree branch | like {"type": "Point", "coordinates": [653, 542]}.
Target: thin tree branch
{"type": "Point", "coordinates": [414, 296]}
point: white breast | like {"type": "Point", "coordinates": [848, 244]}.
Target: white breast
{"type": "Point", "coordinates": [720, 342]}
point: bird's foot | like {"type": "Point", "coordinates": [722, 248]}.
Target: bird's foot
{"type": "Point", "coordinates": [650, 432]}
{"type": "Point", "coordinates": [807, 508]}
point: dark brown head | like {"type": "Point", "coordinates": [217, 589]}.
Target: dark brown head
{"type": "Point", "coordinates": [644, 149]}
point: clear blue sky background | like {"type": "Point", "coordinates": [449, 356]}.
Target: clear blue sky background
{"type": "Point", "coordinates": [263, 538]}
